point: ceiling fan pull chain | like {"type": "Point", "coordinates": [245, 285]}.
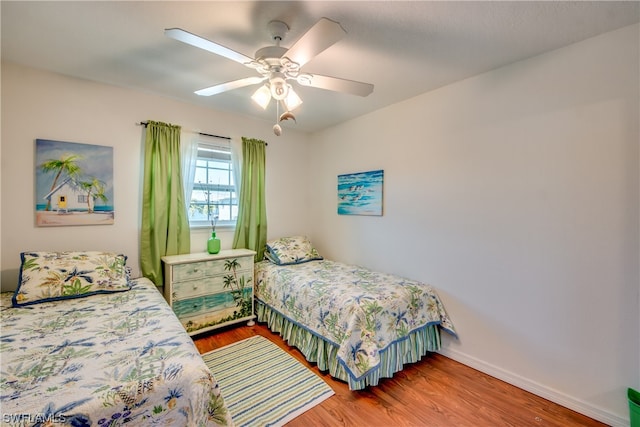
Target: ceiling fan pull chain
{"type": "Point", "coordinates": [277, 129]}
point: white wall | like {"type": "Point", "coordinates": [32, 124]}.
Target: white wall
{"type": "Point", "coordinates": [515, 193]}
{"type": "Point", "coordinates": [39, 104]}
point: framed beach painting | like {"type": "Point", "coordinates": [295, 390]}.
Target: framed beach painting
{"type": "Point", "coordinates": [74, 184]}
{"type": "Point", "coordinates": [360, 193]}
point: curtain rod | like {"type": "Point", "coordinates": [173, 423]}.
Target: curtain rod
{"type": "Point", "coordinates": [199, 133]}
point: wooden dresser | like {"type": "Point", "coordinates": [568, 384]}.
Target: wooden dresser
{"type": "Point", "coordinates": [210, 291]}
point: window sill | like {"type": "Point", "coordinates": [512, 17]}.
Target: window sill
{"type": "Point", "coordinates": [207, 228]}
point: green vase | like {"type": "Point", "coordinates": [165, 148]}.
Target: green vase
{"type": "Point", "coordinates": [213, 244]}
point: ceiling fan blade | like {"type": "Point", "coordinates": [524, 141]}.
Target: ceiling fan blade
{"type": "Point", "coordinates": [197, 41]}
{"type": "Point", "coordinates": [335, 84]}
{"type": "Point", "coordinates": [322, 35]}
{"type": "Point", "coordinates": [235, 84]}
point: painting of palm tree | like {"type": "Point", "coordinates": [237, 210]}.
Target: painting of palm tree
{"type": "Point", "coordinates": [65, 165]}
{"type": "Point", "coordinates": [74, 183]}
{"type": "Point", "coordinates": [94, 190]}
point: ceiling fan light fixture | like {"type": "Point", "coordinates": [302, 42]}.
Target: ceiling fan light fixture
{"type": "Point", "coordinates": [262, 96]}
{"type": "Point", "coordinates": [279, 86]}
{"type": "Point", "coordinates": [292, 101]}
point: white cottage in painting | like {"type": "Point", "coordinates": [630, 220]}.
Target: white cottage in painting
{"type": "Point", "coordinates": [69, 196]}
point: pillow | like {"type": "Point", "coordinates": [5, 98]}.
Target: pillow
{"type": "Point", "coordinates": [291, 250]}
{"type": "Point", "coordinates": [52, 276]}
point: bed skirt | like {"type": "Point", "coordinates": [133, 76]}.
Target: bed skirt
{"type": "Point", "coordinates": [324, 353]}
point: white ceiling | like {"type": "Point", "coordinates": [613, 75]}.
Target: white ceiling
{"type": "Point", "coordinates": [403, 48]}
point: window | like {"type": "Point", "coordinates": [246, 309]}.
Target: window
{"type": "Point", "coordinates": [214, 190]}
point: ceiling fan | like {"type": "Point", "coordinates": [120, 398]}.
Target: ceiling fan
{"type": "Point", "coordinates": [278, 66]}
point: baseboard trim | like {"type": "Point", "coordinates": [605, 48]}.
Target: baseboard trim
{"type": "Point", "coordinates": [537, 389]}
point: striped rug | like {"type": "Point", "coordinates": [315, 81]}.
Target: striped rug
{"type": "Point", "coordinates": [262, 384]}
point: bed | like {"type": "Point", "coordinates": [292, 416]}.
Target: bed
{"type": "Point", "coordinates": [83, 345]}
{"type": "Point", "coordinates": [358, 324]}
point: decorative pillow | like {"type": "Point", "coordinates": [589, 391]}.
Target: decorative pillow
{"type": "Point", "coordinates": [291, 250]}
{"type": "Point", "coordinates": [269, 257]}
{"type": "Point", "coordinates": [51, 276]}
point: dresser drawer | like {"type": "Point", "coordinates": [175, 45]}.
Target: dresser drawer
{"type": "Point", "coordinates": [219, 301]}
{"type": "Point", "coordinates": [192, 288]}
{"type": "Point", "coordinates": [188, 307]}
{"type": "Point", "coordinates": [198, 270]}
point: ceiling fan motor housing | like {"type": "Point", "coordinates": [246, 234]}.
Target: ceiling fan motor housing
{"type": "Point", "coordinates": [271, 57]}
{"type": "Point", "coordinates": [270, 54]}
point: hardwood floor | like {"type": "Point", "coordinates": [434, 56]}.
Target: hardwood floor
{"type": "Point", "coordinates": [436, 391]}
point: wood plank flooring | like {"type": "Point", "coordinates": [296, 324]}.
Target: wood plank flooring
{"type": "Point", "coordinates": [435, 391]}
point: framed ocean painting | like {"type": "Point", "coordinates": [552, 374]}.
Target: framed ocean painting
{"type": "Point", "coordinates": [360, 193]}
{"type": "Point", "coordinates": [74, 184]}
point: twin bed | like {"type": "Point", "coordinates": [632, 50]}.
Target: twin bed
{"type": "Point", "coordinates": [84, 345]}
{"type": "Point", "coordinates": [358, 324]}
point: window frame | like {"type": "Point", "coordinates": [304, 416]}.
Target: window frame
{"type": "Point", "coordinates": [231, 187]}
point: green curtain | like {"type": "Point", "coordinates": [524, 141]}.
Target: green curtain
{"type": "Point", "coordinates": [251, 225]}
{"type": "Point", "coordinates": [165, 225]}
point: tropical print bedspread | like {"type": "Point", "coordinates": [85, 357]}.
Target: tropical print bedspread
{"type": "Point", "coordinates": [103, 360]}
{"type": "Point", "coordinates": [360, 311]}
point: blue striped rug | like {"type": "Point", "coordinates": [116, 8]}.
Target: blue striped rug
{"type": "Point", "coordinates": [262, 385]}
